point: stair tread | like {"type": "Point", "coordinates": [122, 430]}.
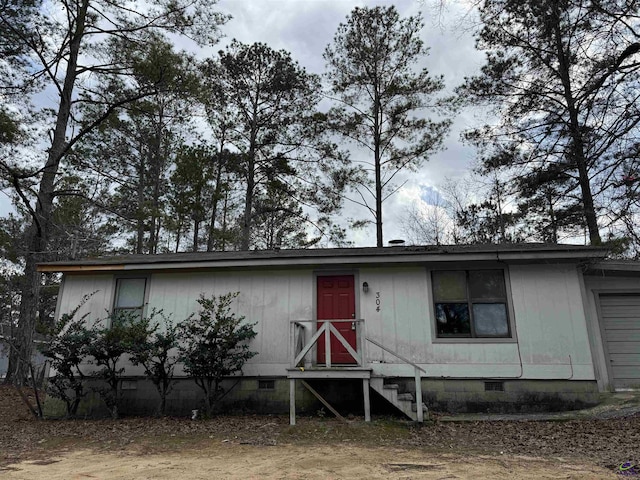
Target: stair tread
{"type": "Point", "coordinates": [403, 402]}
{"type": "Point", "coordinates": [414, 407]}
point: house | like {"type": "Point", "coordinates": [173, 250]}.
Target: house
{"type": "Point", "coordinates": [487, 327]}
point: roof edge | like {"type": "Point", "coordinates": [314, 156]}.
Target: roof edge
{"type": "Point", "coordinates": [355, 256]}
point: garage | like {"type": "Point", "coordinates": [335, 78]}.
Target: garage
{"type": "Point", "coordinates": [620, 321]}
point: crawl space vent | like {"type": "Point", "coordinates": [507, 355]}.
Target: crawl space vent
{"type": "Point", "coordinates": [266, 384]}
{"type": "Point", "coordinates": [494, 386]}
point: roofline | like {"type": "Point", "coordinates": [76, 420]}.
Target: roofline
{"type": "Point", "coordinates": [621, 266]}
{"type": "Point", "coordinates": [329, 257]}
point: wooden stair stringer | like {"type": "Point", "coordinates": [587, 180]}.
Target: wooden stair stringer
{"type": "Point", "coordinates": [404, 402]}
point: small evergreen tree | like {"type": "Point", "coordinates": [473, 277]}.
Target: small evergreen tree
{"type": "Point", "coordinates": [214, 345]}
{"type": "Point", "coordinates": [156, 353]}
{"type": "Point", "coordinates": [67, 349]}
{"type": "Point", "coordinates": [110, 343]}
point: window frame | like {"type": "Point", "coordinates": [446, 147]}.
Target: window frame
{"type": "Point", "coordinates": [436, 338]}
{"type": "Point", "coordinates": [115, 292]}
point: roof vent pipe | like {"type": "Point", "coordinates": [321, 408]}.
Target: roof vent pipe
{"type": "Point", "coordinates": [396, 243]}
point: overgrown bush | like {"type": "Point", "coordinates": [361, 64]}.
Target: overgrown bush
{"type": "Point", "coordinates": [66, 350]}
{"type": "Point", "coordinates": [214, 345]}
{"type": "Point", "coordinates": [111, 341]}
{"type": "Point", "coordinates": [157, 354]}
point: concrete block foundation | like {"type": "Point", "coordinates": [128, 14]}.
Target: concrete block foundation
{"type": "Point", "coordinates": [262, 395]}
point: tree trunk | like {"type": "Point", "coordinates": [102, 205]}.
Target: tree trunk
{"type": "Point", "coordinates": [178, 234]}
{"type": "Point", "coordinates": [214, 203]}
{"type": "Point", "coordinates": [378, 170]}
{"type": "Point", "coordinates": [501, 225]}
{"type": "Point", "coordinates": [248, 201]}
{"type": "Point", "coordinates": [157, 168]}
{"type": "Point", "coordinates": [140, 214]}
{"type": "Point", "coordinates": [196, 234]}
{"type": "Point", "coordinates": [224, 222]}
{"type": "Point", "coordinates": [38, 233]}
{"type": "Point", "coordinates": [552, 218]}
{"type": "Point", "coordinates": [577, 142]}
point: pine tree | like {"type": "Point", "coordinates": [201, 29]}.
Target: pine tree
{"type": "Point", "coordinates": [383, 101]}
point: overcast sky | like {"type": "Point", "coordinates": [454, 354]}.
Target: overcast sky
{"type": "Point", "coordinates": [305, 27]}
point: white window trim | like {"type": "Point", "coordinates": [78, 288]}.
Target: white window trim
{"type": "Point", "coordinates": [114, 292]}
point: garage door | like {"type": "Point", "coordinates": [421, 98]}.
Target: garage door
{"type": "Point", "coordinates": [621, 321]}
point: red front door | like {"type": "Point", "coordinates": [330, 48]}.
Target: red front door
{"type": "Point", "coordinates": [337, 301]}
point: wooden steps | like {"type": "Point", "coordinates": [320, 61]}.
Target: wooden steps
{"type": "Point", "coordinates": [404, 402]}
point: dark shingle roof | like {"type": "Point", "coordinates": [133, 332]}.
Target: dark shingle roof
{"type": "Point", "coordinates": [354, 255]}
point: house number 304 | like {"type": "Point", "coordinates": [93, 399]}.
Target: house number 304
{"type": "Point", "coordinates": [377, 301]}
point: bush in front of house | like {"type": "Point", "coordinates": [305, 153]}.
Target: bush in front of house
{"type": "Point", "coordinates": [66, 350]}
{"type": "Point", "coordinates": [114, 338]}
{"type": "Point", "coordinates": [214, 345]}
{"type": "Point", "coordinates": [211, 345]}
{"type": "Point", "coordinates": [156, 352]}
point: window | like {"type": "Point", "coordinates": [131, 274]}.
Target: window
{"type": "Point", "coordinates": [129, 300]}
{"type": "Point", "coordinates": [470, 303]}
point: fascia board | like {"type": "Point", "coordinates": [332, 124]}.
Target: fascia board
{"type": "Point", "coordinates": [399, 259]}
{"type": "Point", "coordinates": [358, 260]}
{"type": "Point", "coordinates": [79, 268]}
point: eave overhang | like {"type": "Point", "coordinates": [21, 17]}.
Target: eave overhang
{"type": "Point", "coordinates": [333, 258]}
{"type": "Point", "coordinates": [614, 268]}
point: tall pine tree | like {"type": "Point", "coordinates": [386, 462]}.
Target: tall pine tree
{"type": "Point", "coordinates": [562, 78]}
{"type": "Point", "coordinates": [383, 100]}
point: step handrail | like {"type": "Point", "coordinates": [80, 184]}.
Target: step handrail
{"type": "Point", "coordinates": [418, 378]}
{"type": "Point", "coordinates": [405, 360]}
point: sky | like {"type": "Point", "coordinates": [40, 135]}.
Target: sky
{"type": "Point", "coordinates": [306, 27]}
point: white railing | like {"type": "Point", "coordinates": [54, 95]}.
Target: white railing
{"type": "Point", "coordinates": [417, 376]}
{"type": "Point", "coordinates": [300, 347]}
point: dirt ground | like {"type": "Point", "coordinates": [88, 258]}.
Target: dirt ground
{"type": "Point", "coordinates": [249, 447]}
{"type": "Point", "coordinates": [293, 462]}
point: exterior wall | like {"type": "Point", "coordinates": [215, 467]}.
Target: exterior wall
{"type": "Point", "coordinates": [269, 299]}
{"type": "Point", "coordinates": [549, 322]}
{"type": "Point", "coordinates": [516, 396]}
{"type": "Point", "coordinates": [98, 287]}
{"type": "Point", "coordinates": [4, 359]}
{"type": "Point", "coordinates": [595, 284]}
{"type": "Point", "coordinates": [549, 330]}
{"type": "Point", "coordinates": [549, 327]}
{"type": "Point", "coordinates": [139, 397]}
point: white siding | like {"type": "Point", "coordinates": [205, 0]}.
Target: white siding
{"type": "Point", "coordinates": [99, 287]}
{"type": "Point", "coordinates": [549, 321]}
{"type": "Point", "coordinates": [551, 324]}
{"type": "Point", "coordinates": [267, 298]}
{"type": "Point", "coordinates": [549, 318]}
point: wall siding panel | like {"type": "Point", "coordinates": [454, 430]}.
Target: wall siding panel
{"type": "Point", "coordinates": [268, 299]}
{"type": "Point", "coordinates": [546, 299]}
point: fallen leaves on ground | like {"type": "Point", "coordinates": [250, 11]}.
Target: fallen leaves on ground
{"type": "Point", "coordinates": [604, 442]}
